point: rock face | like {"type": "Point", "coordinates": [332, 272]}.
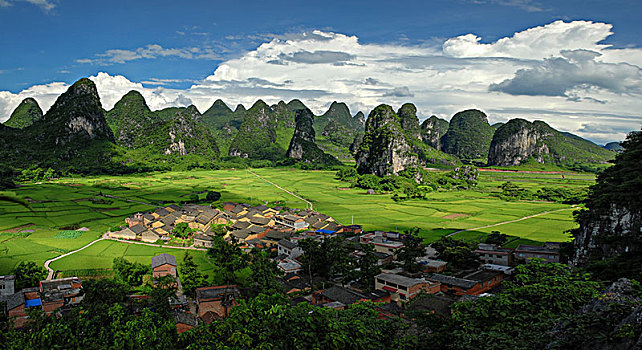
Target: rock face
{"type": "Point", "coordinates": [515, 142]}
{"type": "Point", "coordinates": [619, 310]}
{"type": "Point", "coordinates": [385, 148]}
{"type": "Point", "coordinates": [284, 115]}
{"type": "Point", "coordinates": [77, 116]}
{"type": "Point", "coordinates": [295, 104]}
{"type": "Point", "coordinates": [340, 113]}
{"type": "Point", "coordinates": [257, 132]}
{"type": "Point", "coordinates": [611, 228]}
{"type": "Point", "coordinates": [303, 146]}
{"type": "Point", "coordinates": [131, 121]}
{"type": "Point", "coordinates": [432, 130]}
{"type": "Point", "coordinates": [519, 140]}
{"type": "Point", "coordinates": [469, 135]}
{"type": "Point", "coordinates": [185, 135]}
{"type": "Point", "coordinates": [409, 121]}
{"type": "Point", "coordinates": [219, 116]}
{"type": "Point", "coordinates": [27, 113]}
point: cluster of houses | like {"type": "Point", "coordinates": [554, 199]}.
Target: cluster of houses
{"type": "Point", "coordinates": [51, 296]}
{"type": "Point", "coordinates": [252, 226]}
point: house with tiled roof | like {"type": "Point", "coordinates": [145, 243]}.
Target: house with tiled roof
{"type": "Point", "coordinates": [402, 288]}
{"type": "Point", "coordinates": [219, 300]}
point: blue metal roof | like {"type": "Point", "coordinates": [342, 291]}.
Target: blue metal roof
{"type": "Point", "coordinates": [325, 231]}
{"type": "Point", "coordinates": [33, 302]}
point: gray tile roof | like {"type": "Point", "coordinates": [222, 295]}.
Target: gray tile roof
{"type": "Point", "coordinates": [138, 229]}
{"type": "Point", "coordinates": [15, 300]}
{"type": "Point", "coordinates": [162, 259]}
{"type": "Point", "coordinates": [343, 295]}
{"type": "Point", "coordinates": [452, 281]}
{"type": "Point", "coordinates": [400, 280]}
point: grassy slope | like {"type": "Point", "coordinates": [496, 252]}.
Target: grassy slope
{"type": "Point", "coordinates": [60, 204]}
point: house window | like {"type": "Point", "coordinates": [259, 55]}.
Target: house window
{"type": "Point", "coordinates": [402, 297]}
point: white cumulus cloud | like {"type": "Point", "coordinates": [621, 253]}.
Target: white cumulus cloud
{"type": "Point", "coordinates": [559, 72]}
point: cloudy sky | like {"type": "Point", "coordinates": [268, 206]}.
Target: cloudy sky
{"type": "Point", "coordinates": [573, 64]}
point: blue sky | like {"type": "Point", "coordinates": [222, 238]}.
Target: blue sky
{"type": "Point", "coordinates": [173, 49]}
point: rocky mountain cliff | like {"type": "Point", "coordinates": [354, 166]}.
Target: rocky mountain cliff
{"type": "Point", "coordinates": [469, 135]}
{"type": "Point", "coordinates": [340, 113]}
{"type": "Point", "coordinates": [515, 142]}
{"type": "Point", "coordinates": [27, 113]}
{"type": "Point", "coordinates": [609, 237]}
{"type": "Point", "coordinates": [257, 135]}
{"type": "Point", "coordinates": [385, 148]}
{"type": "Point", "coordinates": [432, 130]}
{"type": "Point", "coordinates": [220, 117]}
{"type": "Point", "coordinates": [302, 146]}
{"type": "Point", "coordinates": [184, 135]}
{"type": "Point", "coordinates": [131, 121]}
{"type": "Point", "coordinates": [76, 116]}
{"type": "Point", "coordinates": [284, 115]}
{"type": "Point", "coordinates": [409, 121]}
{"type": "Point", "coordinates": [520, 140]}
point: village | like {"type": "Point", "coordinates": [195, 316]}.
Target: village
{"type": "Point", "coordinates": [432, 287]}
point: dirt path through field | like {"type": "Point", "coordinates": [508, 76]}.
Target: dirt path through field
{"type": "Point", "coordinates": [510, 221]}
{"type": "Point", "coordinates": [308, 203]}
{"type": "Point", "coordinates": [48, 262]}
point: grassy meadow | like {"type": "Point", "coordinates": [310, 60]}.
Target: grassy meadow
{"type": "Point", "coordinates": [63, 205]}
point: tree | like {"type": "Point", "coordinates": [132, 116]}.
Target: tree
{"type": "Point", "coordinates": [457, 252]}
{"type": "Point", "coordinates": [191, 278]}
{"type": "Point", "coordinates": [182, 230]}
{"type": "Point", "coordinates": [368, 265]}
{"type": "Point", "coordinates": [227, 256]}
{"type": "Point", "coordinates": [28, 274]}
{"type": "Point", "coordinates": [218, 230]}
{"type": "Point", "coordinates": [497, 238]}
{"type": "Point", "coordinates": [213, 196]}
{"type": "Point", "coordinates": [522, 316]}
{"type": "Point", "coordinates": [264, 274]}
{"type": "Point", "coordinates": [412, 249]}
{"type": "Point", "coordinates": [130, 273]}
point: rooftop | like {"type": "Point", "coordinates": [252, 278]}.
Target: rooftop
{"type": "Point", "coordinates": [342, 295]}
{"type": "Point", "coordinates": [216, 292]}
{"type": "Point", "coordinates": [400, 280]}
{"type": "Point", "coordinates": [534, 249]}
{"type": "Point", "coordinates": [452, 281]}
{"type": "Point", "coordinates": [163, 259]}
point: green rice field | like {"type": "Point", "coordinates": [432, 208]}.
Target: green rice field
{"type": "Point", "coordinates": [67, 204]}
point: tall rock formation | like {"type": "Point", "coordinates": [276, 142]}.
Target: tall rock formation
{"type": "Point", "coordinates": [220, 117]}
{"type": "Point", "coordinates": [409, 120]}
{"type": "Point", "coordinates": [284, 115]}
{"type": "Point", "coordinates": [469, 135]}
{"type": "Point", "coordinates": [27, 113]}
{"type": "Point", "coordinates": [76, 116]}
{"type": "Point", "coordinates": [257, 134]}
{"type": "Point", "coordinates": [610, 231]}
{"type": "Point", "coordinates": [432, 130]}
{"type": "Point", "coordinates": [385, 148]}
{"type": "Point", "coordinates": [520, 140]}
{"type": "Point", "coordinates": [185, 135]}
{"type": "Point", "coordinates": [296, 104]}
{"type": "Point", "coordinates": [340, 113]}
{"type": "Point", "coordinates": [515, 142]}
{"type": "Point", "coordinates": [302, 146]}
{"type": "Point", "coordinates": [131, 121]}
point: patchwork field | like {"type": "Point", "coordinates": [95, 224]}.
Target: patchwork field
{"type": "Point", "coordinates": [97, 203]}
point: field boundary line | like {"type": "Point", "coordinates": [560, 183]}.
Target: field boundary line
{"type": "Point", "coordinates": [156, 245]}
{"type": "Point", "coordinates": [48, 262]}
{"type": "Point", "coordinates": [131, 200]}
{"type": "Point", "coordinates": [510, 221]}
{"type": "Point", "coordinates": [307, 202]}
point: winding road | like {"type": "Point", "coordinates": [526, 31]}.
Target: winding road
{"type": "Point", "coordinates": [307, 202]}
{"type": "Point", "coordinates": [510, 221]}
{"type": "Point", "coordinates": [106, 237]}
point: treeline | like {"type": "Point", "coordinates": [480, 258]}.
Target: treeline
{"type": "Point", "coordinates": [411, 183]}
{"type": "Point", "coordinates": [511, 191]}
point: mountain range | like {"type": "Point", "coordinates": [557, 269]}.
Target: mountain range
{"type": "Point", "coordinates": [78, 133]}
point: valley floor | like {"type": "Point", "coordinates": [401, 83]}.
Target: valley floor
{"type": "Point", "coordinates": [98, 203]}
